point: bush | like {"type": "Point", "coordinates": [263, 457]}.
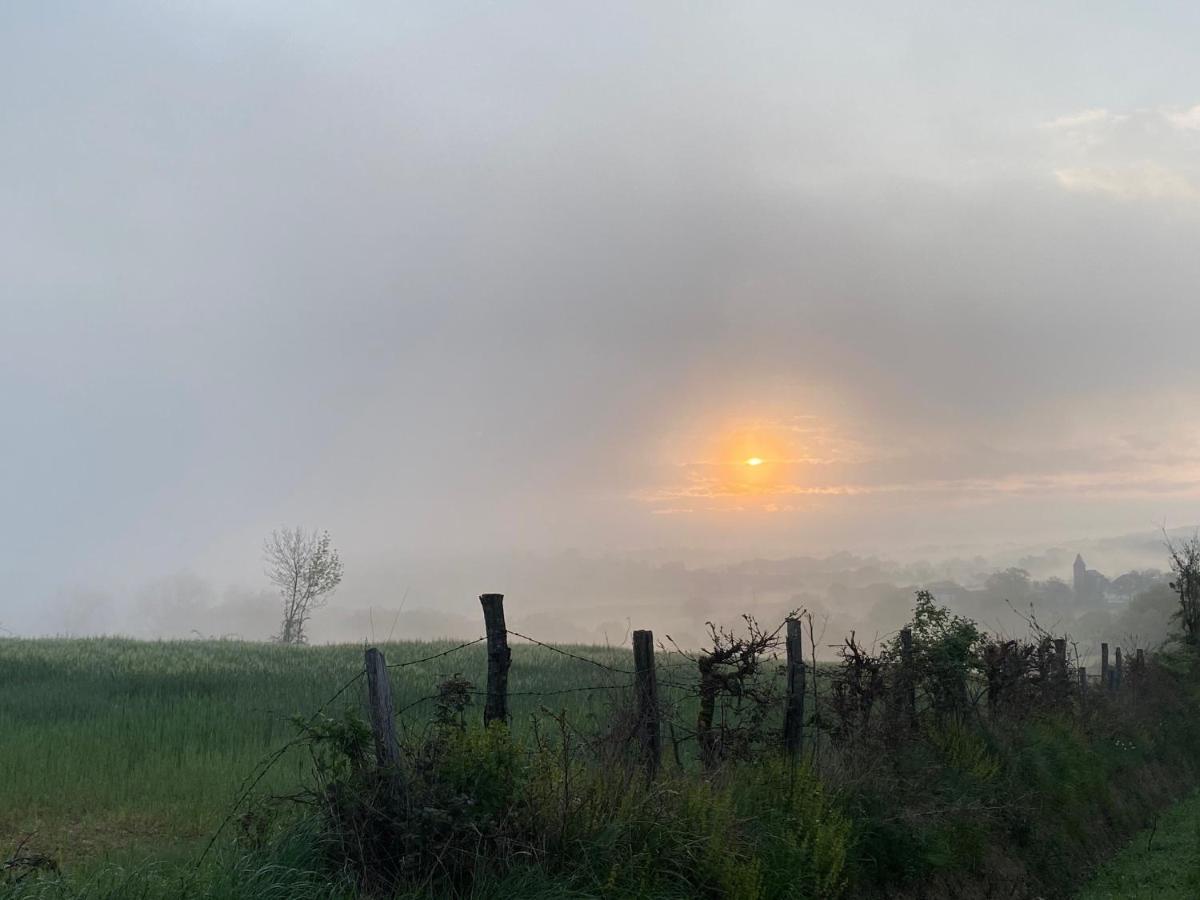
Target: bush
{"type": "Point", "coordinates": [471, 809]}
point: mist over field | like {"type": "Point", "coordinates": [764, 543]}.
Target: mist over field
{"type": "Point", "coordinates": [571, 596]}
{"type": "Point", "coordinates": [507, 297]}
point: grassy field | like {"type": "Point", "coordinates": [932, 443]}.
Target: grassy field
{"type": "Point", "coordinates": [122, 757]}
{"type": "Point", "coordinates": [1162, 863]}
{"type": "Point", "coordinates": [121, 748]}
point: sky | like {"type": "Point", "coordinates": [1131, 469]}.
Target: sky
{"type": "Point", "coordinates": [468, 281]}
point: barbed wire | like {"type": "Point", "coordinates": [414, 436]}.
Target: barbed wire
{"type": "Point", "coordinates": [414, 704]}
{"type": "Point", "coordinates": [413, 662]}
{"type": "Point", "coordinates": [265, 765]}
{"type": "Point", "coordinates": [574, 690]}
{"type": "Point", "coordinates": [268, 762]}
{"type": "Point", "coordinates": [671, 708]}
{"type": "Point", "coordinates": [676, 688]}
{"type": "Point", "coordinates": [683, 665]}
{"type": "Point", "coordinates": [569, 654]}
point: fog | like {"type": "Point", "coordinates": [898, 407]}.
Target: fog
{"type": "Point", "coordinates": [591, 599]}
{"type": "Point", "coordinates": [504, 297]}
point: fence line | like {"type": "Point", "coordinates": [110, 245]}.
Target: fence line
{"type": "Point", "coordinates": [415, 704]}
{"type": "Point", "coordinates": [413, 662]}
{"type": "Point", "coordinates": [557, 692]}
{"type": "Point", "coordinates": [1049, 663]}
{"type": "Point", "coordinates": [568, 653]}
{"type": "Point", "coordinates": [1051, 669]}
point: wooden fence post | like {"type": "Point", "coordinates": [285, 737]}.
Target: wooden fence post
{"type": "Point", "coordinates": [1140, 663]}
{"type": "Point", "coordinates": [793, 721]}
{"type": "Point", "coordinates": [1061, 685]}
{"type": "Point", "coordinates": [1105, 681]}
{"type": "Point", "coordinates": [706, 737]}
{"type": "Point", "coordinates": [909, 688]}
{"type": "Point", "coordinates": [495, 706]}
{"type": "Point", "coordinates": [649, 734]}
{"type": "Point", "coordinates": [1082, 679]}
{"type": "Point", "coordinates": [379, 697]}
{"type": "Point", "coordinates": [1118, 668]}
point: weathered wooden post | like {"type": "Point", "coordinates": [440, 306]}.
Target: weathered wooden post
{"type": "Point", "coordinates": [1061, 685]}
{"type": "Point", "coordinates": [1118, 669]}
{"type": "Point", "coordinates": [1082, 681]}
{"type": "Point", "coordinates": [1105, 681]}
{"type": "Point", "coordinates": [1140, 663]}
{"type": "Point", "coordinates": [908, 676]}
{"type": "Point", "coordinates": [495, 706]}
{"type": "Point", "coordinates": [793, 721]}
{"type": "Point", "coordinates": [382, 713]}
{"type": "Point", "coordinates": [1043, 663]}
{"type": "Point", "coordinates": [646, 681]}
{"type": "Point", "coordinates": [706, 738]}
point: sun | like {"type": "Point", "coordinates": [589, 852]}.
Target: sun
{"type": "Point", "coordinates": [754, 461]}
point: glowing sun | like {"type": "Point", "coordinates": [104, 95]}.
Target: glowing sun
{"type": "Point", "coordinates": [754, 461]}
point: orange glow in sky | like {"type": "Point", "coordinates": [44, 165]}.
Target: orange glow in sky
{"type": "Point", "coordinates": [764, 463]}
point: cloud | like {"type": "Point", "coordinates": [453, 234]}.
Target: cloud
{"type": "Point", "coordinates": [1146, 154]}
{"type": "Point", "coordinates": [1088, 118]}
{"type": "Point", "coordinates": [1186, 120]}
{"type": "Point", "coordinates": [1146, 181]}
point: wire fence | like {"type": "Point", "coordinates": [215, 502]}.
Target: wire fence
{"type": "Point", "coordinates": [650, 704]}
{"type": "Point", "coordinates": [425, 659]}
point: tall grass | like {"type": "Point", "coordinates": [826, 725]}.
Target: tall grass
{"type": "Point", "coordinates": [108, 743]}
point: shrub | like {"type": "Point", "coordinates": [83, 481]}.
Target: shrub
{"type": "Point", "coordinates": [945, 654]}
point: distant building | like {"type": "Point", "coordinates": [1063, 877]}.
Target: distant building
{"type": "Point", "coordinates": [1080, 579]}
{"type": "Point", "coordinates": [1090, 586]}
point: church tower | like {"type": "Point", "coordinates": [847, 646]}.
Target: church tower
{"type": "Point", "coordinates": [1081, 580]}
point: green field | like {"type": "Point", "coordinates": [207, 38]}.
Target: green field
{"type": "Point", "coordinates": [1161, 863]}
{"type": "Point", "coordinates": [113, 747]}
{"type": "Point", "coordinates": [120, 759]}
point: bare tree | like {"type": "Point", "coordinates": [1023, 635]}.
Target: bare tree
{"type": "Point", "coordinates": [1185, 564]}
{"type": "Point", "coordinates": [306, 569]}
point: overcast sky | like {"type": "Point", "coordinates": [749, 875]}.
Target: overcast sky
{"type": "Point", "coordinates": [457, 279]}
